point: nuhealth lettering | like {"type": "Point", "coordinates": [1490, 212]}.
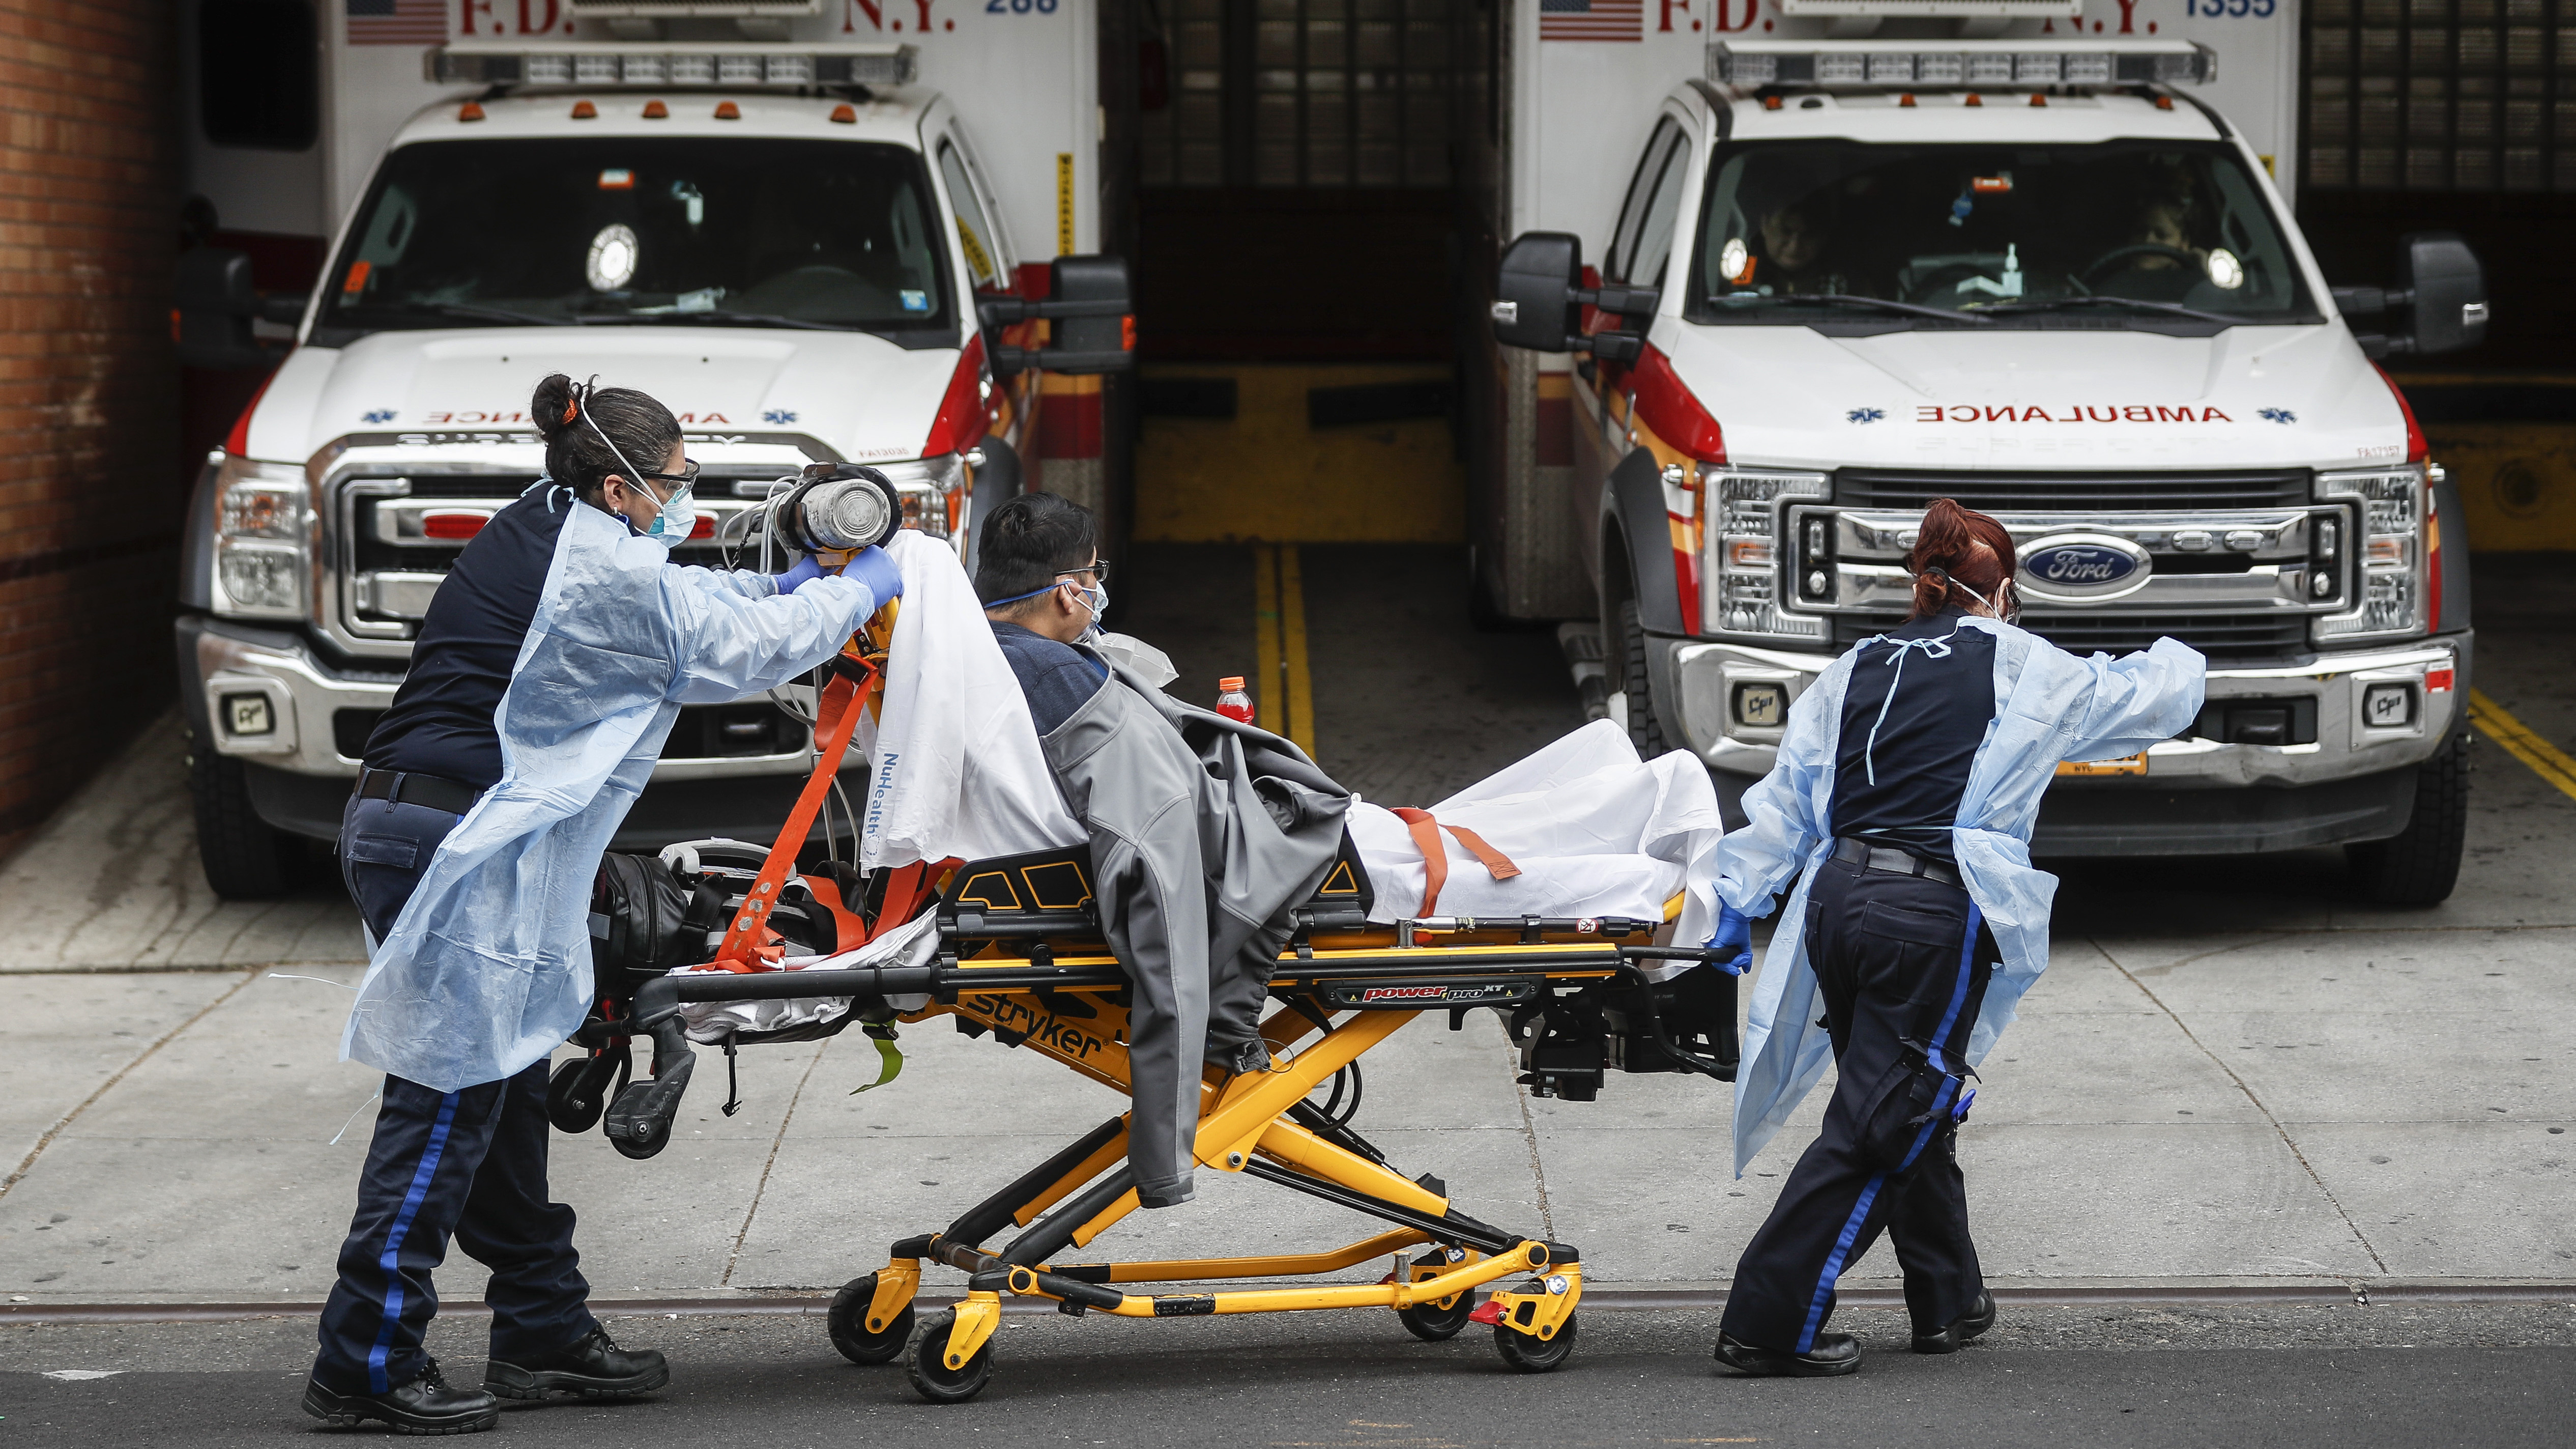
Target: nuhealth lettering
{"type": "Point", "coordinates": [2088, 413]}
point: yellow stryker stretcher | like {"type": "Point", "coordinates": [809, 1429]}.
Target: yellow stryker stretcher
{"type": "Point", "coordinates": [1021, 960]}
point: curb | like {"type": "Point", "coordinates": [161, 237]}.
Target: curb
{"type": "Point", "coordinates": [1607, 1300]}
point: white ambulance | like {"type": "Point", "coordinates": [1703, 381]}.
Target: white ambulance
{"type": "Point", "coordinates": [784, 232]}
{"type": "Point", "coordinates": [1857, 266]}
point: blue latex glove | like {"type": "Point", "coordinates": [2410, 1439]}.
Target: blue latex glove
{"type": "Point", "coordinates": [804, 571]}
{"type": "Point", "coordinates": [871, 567]}
{"type": "Point", "coordinates": [1733, 930]}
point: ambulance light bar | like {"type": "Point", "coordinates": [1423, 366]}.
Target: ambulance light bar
{"type": "Point", "coordinates": [1959, 62]}
{"type": "Point", "coordinates": [721, 63]}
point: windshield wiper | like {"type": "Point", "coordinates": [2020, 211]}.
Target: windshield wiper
{"type": "Point", "coordinates": [761, 319]}
{"type": "Point", "coordinates": [2100, 299]}
{"type": "Point", "coordinates": [476, 310]}
{"type": "Point", "coordinates": [1847, 299]}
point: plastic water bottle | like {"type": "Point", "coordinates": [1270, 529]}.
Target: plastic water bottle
{"type": "Point", "coordinates": [1232, 701]}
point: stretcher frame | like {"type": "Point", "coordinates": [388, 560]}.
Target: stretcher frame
{"type": "Point", "coordinates": [1039, 975]}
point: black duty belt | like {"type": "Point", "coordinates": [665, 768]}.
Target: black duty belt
{"type": "Point", "coordinates": [409, 787]}
{"type": "Point", "coordinates": [1894, 861]}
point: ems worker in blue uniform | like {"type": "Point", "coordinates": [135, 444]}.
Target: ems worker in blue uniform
{"type": "Point", "coordinates": [1901, 805]}
{"type": "Point", "coordinates": [547, 673]}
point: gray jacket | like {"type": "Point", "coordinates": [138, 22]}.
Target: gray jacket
{"type": "Point", "coordinates": [1204, 831]}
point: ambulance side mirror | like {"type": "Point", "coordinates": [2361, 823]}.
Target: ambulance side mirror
{"type": "Point", "coordinates": [2447, 289]}
{"type": "Point", "coordinates": [214, 304]}
{"type": "Point", "coordinates": [1539, 299]}
{"type": "Point", "coordinates": [2438, 305]}
{"type": "Point", "coordinates": [1534, 293]}
{"type": "Point", "coordinates": [1093, 317]}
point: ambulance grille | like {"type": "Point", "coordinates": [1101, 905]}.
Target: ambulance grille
{"type": "Point", "coordinates": [2219, 636]}
{"type": "Point", "coordinates": [2076, 493]}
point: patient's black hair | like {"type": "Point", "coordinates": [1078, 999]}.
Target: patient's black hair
{"type": "Point", "coordinates": [1024, 544]}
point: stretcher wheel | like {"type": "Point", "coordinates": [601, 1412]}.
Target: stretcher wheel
{"type": "Point", "coordinates": [848, 1322]}
{"type": "Point", "coordinates": [657, 1136]}
{"type": "Point", "coordinates": [1434, 1324]}
{"type": "Point", "coordinates": [1532, 1355]}
{"type": "Point", "coordinates": [925, 1362]}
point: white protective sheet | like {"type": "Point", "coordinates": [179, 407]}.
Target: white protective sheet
{"type": "Point", "coordinates": [955, 771]}
{"type": "Point", "coordinates": [1595, 831]}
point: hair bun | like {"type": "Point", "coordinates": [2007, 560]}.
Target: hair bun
{"type": "Point", "coordinates": [552, 408]}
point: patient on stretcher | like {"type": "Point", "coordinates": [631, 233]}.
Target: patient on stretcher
{"type": "Point", "coordinates": [1011, 725]}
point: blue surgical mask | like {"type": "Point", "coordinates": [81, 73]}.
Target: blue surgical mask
{"type": "Point", "coordinates": [677, 520]}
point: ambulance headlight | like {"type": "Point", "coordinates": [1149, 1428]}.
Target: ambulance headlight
{"type": "Point", "coordinates": [263, 539]}
{"type": "Point", "coordinates": [1742, 516]}
{"type": "Point", "coordinates": [2392, 560]}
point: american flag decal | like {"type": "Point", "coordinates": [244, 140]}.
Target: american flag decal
{"type": "Point", "coordinates": [397, 22]}
{"type": "Point", "coordinates": [1584, 19]}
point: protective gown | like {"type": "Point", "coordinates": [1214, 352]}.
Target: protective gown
{"type": "Point", "coordinates": [487, 969]}
{"type": "Point", "coordinates": [2052, 706]}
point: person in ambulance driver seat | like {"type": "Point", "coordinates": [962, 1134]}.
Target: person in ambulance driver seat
{"type": "Point", "coordinates": [1901, 807]}
{"type": "Point", "coordinates": [547, 673]}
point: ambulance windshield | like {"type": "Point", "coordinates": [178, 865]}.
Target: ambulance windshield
{"type": "Point", "coordinates": [2152, 234]}
{"type": "Point", "coordinates": [646, 231]}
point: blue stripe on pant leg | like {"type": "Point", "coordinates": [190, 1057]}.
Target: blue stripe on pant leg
{"type": "Point", "coordinates": [1959, 992]}
{"type": "Point", "coordinates": [1834, 1262]}
{"type": "Point", "coordinates": [394, 1236]}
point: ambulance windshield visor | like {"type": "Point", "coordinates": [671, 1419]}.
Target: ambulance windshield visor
{"type": "Point", "coordinates": [2024, 235]}
{"type": "Point", "coordinates": [645, 230]}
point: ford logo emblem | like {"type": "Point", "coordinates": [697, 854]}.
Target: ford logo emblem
{"type": "Point", "coordinates": [2084, 567]}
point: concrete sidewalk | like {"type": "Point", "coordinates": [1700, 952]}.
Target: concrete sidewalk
{"type": "Point", "coordinates": [2228, 1074]}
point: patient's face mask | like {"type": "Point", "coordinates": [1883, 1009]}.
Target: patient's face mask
{"type": "Point", "coordinates": [1096, 599]}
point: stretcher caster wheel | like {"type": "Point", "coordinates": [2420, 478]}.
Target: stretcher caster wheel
{"type": "Point", "coordinates": [925, 1362]}
{"type": "Point", "coordinates": [1534, 1355]}
{"type": "Point", "coordinates": [848, 1322]}
{"type": "Point", "coordinates": [1434, 1324]}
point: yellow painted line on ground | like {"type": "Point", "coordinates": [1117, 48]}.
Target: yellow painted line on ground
{"type": "Point", "coordinates": [2545, 759]}
{"type": "Point", "coordinates": [1269, 699]}
{"type": "Point", "coordinates": [1292, 628]}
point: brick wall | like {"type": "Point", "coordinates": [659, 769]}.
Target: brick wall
{"type": "Point", "coordinates": [88, 510]}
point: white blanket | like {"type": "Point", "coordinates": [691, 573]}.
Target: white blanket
{"type": "Point", "coordinates": [1595, 831]}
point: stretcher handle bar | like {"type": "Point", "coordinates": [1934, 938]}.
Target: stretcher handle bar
{"type": "Point", "coordinates": [1708, 1066]}
{"type": "Point", "coordinates": [659, 999]}
{"type": "Point", "coordinates": [967, 925]}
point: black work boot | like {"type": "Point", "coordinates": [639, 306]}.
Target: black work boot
{"type": "Point", "coordinates": [1979, 1317]}
{"type": "Point", "coordinates": [426, 1405]}
{"type": "Point", "coordinates": [593, 1367]}
{"type": "Point", "coordinates": [1834, 1353]}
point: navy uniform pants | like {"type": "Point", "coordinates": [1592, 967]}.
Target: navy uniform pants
{"type": "Point", "coordinates": [1902, 964]}
{"type": "Point", "coordinates": [468, 1165]}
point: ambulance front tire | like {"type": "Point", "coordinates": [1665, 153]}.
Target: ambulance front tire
{"type": "Point", "coordinates": [925, 1362]}
{"type": "Point", "coordinates": [1529, 1354]}
{"type": "Point", "coordinates": [245, 858]}
{"type": "Point", "coordinates": [848, 1324]}
{"type": "Point", "coordinates": [1634, 703]}
{"type": "Point", "coordinates": [2420, 865]}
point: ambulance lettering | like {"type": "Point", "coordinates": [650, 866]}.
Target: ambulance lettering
{"type": "Point", "coordinates": [2083, 413]}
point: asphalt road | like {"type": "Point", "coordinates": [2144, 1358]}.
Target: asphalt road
{"type": "Point", "coordinates": [2277, 1377]}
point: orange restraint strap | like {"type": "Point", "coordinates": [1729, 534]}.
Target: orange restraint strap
{"type": "Point", "coordinates": [1435, 857]}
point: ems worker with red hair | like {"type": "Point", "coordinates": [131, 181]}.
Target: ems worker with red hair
{"type": "Point", "coordinates": [1901, 808]}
